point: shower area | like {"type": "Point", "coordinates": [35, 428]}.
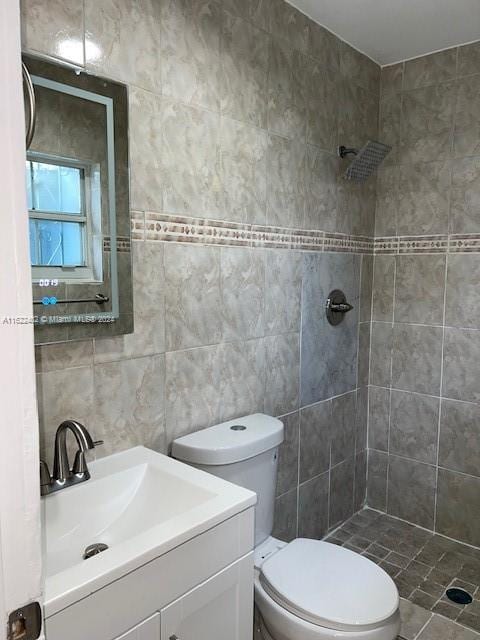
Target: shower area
{"type": "Point", "coordinates": [418, 342]}
{"type": "Point", "coordinates": [423, 424]}
{"type": "Point", "coordinates": [424, 438]}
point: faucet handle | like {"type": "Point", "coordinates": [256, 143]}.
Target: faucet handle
{"type": "Point", "coordinates": [45, 478]}
{"type": "Point", "coordinates": [80, 465]}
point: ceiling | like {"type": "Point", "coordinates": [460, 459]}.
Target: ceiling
{"type": "Point", "coordinates": [392, 30]}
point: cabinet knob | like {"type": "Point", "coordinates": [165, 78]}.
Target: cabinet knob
{"type": "Point", "coordinates": [174, 637]}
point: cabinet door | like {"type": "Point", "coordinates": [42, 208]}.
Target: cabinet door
{"type": "Point", "coordinates": [219, 609]}
{"type": "Point", "coordinates": [147, 630]}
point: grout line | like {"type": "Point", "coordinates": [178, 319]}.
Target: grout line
{"type": "Point", "coordinates": [426, 395]}
{"type": "Point", "coordinates": [360, 307]}
{"type": "Point", "coordinates": [426, 464]}
{"type": "Point", "coordinates": [329, 483]}
{"type": "Point", "coordinates": [429, 326]}
{"type": "Point", "coordinates": [300, 331]}
{"type": "Point", "coordinates": [439, 425]}
{"type": "Point", "coordinates": [370, 332]}
{"type": "Point", "coordinates": [338, 464]}
{"type": "Point", "coordinates": [300, 334]}
{"type": "Point", "coordinates": [298, 466]}
{"type": "Point", "coordinates": [354, 460]}
{"type": "Point", "coordinates": [315, 477]}
{"type": "Point", "coordinates": [355, 418]}
{"type": "Point", "coordinates": [164, 329]}
{"type": "Point", "coordinates": [341, 395]}
{"type": "Point", "coordinates": [426, 623]}
{"type": "Point", "coordinates": [460, 473]}
{"type": "Point", "coordinates": [394, 294]}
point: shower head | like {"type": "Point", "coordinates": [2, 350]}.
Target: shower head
{"type": "Point", "coordinates": [365, 161]}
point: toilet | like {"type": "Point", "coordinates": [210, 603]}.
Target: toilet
{"type": "Point", "coordinates": [305, 589]}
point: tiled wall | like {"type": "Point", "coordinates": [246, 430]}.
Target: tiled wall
{"type": "Point", "coordinates": [323, 461]}
{"type": "Point", "coordinates": [424, 410]}
{"type": "Point", "coordinates": [236, 110]}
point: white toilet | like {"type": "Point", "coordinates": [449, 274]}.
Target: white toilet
{"type": "Point", "coordinates": [305, 589]}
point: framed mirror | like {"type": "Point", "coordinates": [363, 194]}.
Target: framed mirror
{"type": "Point", "coordinates": [77, 184]}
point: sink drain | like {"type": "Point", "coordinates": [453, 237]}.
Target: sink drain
{"type": "Point", "coordinates": [94, 550]}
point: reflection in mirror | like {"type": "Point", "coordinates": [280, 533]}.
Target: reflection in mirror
{"type": "Point", "coordinates": [76, 178]}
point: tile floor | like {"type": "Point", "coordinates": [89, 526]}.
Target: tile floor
{"type": "Point", "coordinates": [423, 565]}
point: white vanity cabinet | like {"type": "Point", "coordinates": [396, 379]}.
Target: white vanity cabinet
{"type": "Point", "coordinates": [199, 590]}
{"type": "Point", "coordinates": [218, 609]}
{"type": "Point", "coordinates": [146, 630]}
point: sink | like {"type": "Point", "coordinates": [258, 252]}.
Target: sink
{"type": "Point", "coordinates": [138, 503]}
{"type": "Point", "coordinates": [114, 509]}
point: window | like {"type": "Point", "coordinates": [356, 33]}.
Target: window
{"type": "Point", "coordinates": [59, 217]}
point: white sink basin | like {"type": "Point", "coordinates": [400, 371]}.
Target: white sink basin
{"type": "Point", "coordinates": [139, 503]}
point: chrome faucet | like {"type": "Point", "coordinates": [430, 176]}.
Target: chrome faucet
{"type": "Point", "coordinates": [63, 476]}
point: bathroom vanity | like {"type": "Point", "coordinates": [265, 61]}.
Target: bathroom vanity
{"type": "Point", "coordinates": [179, 557]}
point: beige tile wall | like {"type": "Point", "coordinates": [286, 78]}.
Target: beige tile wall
{"type": "Point", "coordinates": [236, 110]}
{"type": "Point", "coordinates": [424, 429]}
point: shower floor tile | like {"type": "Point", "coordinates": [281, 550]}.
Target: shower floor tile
{"type": "Point", "coordinates": [423, 565]}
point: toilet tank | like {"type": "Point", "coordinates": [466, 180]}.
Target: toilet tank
{"type": "Point", "coordinates": [243, 451]}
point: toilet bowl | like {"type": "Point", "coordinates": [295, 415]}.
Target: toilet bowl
{"type": "Point", "coordinates": [313, 590]}
{"type": "Point", "coordinates": [305, 589]}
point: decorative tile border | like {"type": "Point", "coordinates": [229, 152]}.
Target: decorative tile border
{"type": "Point", "coordinates": [340, 242]}
{"type": "Point", "coordinates": [137, 225]}
{"type": "Point", "coordinates": [162, 227]}
{"type": "Point", "coordinates": [454, 243]}
{"type": "Point", "coordinates": [387, 245]}
{"type": "Point", "coordinates": [165, 228]}
{"type": "Point", "coordinates": [307, 240]}
{"type": "Point", "coordinates": [423, 244]}
{"type": "Point", "coordinates": [464, 243]}
{"type": "Point", "coordinates": [274, 237]}
{"type": "Point", "coordinates": [123, 244]}
{"type": "Point", "coordinates": [227, 233]}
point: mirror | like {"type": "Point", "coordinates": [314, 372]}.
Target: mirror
{"type": "Point", "coordinates": [76, 177]}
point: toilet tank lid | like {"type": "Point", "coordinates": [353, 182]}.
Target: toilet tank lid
{"type": "Point", "coordinates": [231, 441]}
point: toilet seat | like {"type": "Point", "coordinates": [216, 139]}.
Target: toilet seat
{"type": "Point", "coordinates": [276, 623]}
{"type": "Point", "coordinates": [329, 586]}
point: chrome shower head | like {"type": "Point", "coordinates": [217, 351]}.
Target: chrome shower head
{"type": "Point", "coordinates": [365, 161]}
